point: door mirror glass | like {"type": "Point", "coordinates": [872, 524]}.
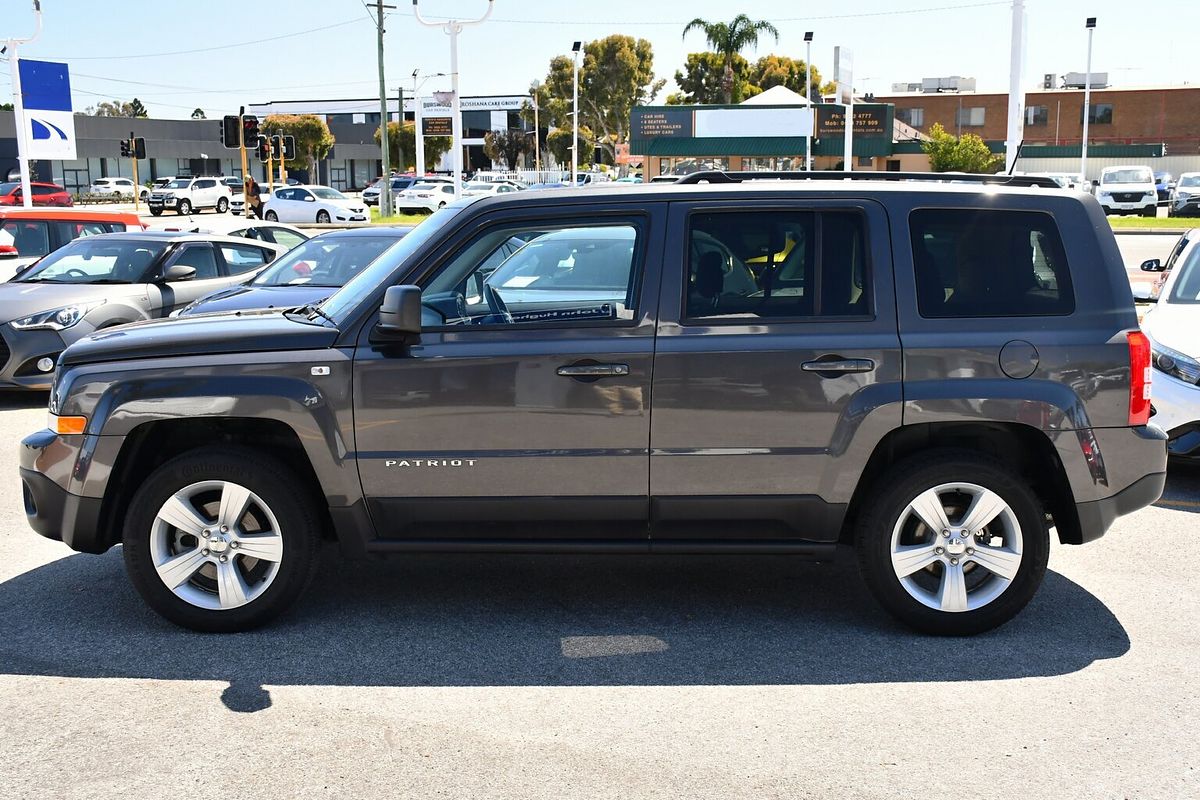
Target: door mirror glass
{"type": "Point", "coordinates": [179, 272]}
{"type": "Point", "coordinates": [400, 314]}
{"type": "Point", "coordinates": [1152, 265]}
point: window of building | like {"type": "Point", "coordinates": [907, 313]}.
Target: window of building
{"type": "Point", "coordinates": [1098, 114]}
{"type": "Point", "coordinates": [1037, 115]}
{"type": "Point", "coordinates": [971, 117]}
{"type": "Point", "coordinates": [776, 264]}
{"type": "Point", "coordinates": [987, 263]}
{"type": "Point", "coordinates": [911, 116]}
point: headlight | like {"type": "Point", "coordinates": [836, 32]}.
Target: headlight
{"type": "Point", "coordinates": [1104, 193]}
{"type": "Point", "coordinates": [56, 320]}
{"type": "Point", "coordinates": [1174, 363]}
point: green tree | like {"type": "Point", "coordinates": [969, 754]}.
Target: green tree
{"type": "Point", "coordinates": [199, 114]}
{"type": "Point", "coordinates": [506, 146]}
{"type": "Point", "coordinates": [6, 106]}
{"type": "Point", "coordinates": [775, 70]}
{"type": "Point", "coordinates": [702, 80]}
{"type": "Point", "coordinates": [116, 108]}
{"type": "Point", "coordinates": [966, 153]}
{"type": "Point", "coordinates": [616, 74]}
{"type": "Point", "coordinates": [728, 40]}
{"type": "Point", "coordinates": [558, 142]}
{"type": "Point", "coordinates": [136, 109]}
{"type": "Point", "coordinates": [406, 138]}
{"type": "Point", "coordinates": [313, 139]}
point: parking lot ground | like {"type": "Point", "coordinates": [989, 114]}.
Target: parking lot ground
{"type": "Point", "coordinates": [602, 677]}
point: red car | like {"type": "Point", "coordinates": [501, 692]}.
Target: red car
{"type": "Point", "coordinates": [44, 194]}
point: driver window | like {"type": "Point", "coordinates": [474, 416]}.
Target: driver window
{"type": "Point", "coordinates": [543, 273]}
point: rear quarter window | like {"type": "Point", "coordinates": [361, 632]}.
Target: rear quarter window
{"type": "Point", "coordinates": [989, 263]}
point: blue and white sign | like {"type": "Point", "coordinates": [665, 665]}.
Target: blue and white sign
{"type": "Point", "coordinates": [46, 99]}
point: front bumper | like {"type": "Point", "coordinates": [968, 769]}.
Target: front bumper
{"type": "Point", "coordinates": [1112, 206]}
{"type": "Point", "coordinates": [50, 509]}
{"type": "Point", "coordinates": [23, 350]}
{"type": "Point", "coordinates": [1177, 411]}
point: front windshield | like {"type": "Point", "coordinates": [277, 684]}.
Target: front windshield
{"type": "Point", "coordinates": [1187, 280]}
{"type": "Point", "coordinates": [6, 188]}
{"type": "Point", "coordinates": [325, 193]}
{"type": "Point", "coordinates": [96, 260]}
{"type": "Point", "coordinates": [1127, 176]}
{"type": "Point", "coordinates": [325, 261]}
{"type": "Point", "coordinates": [1190, 180]}
{"type": "Point", "coordinates": [346, 301]}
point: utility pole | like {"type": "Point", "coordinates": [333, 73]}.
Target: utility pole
{"type": "Point", "coordinates": [808, 39]}
{"type": "Point", "coordinates": [10, 48]}
{"type": "Point", "coordinates": [537, 143]}
{"type": "Point", "coordinates": [1016, 93]}
{"type": "Point", "coordinates": [575, 48]}
{"type": "Point", "coordinates": [1087, 100]}
{"type": "Point", "coordinates": [242, 150]}
{"type": "Point", "coordinates": [400, 130]}
{"type": "Point", "coordinates": [452, 28]}
{"type": "Point", "coordinates": [385, 189]}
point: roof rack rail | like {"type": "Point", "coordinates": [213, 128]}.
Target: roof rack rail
{"type": "Point", "coordinates": [720, 176]}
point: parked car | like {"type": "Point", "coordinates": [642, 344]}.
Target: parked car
{"type": "Point", "coordinates": [1180, 251]}
{"type": "Point", "coordinates": [630, 179]}
{"type": "Point", "coordinates": [307, 274]}
{"type": "Point", "coordinates": [313, 204]}
{"type": "Point", "coordinates": [278, 233]}
{"type": "Point", "coordinates": [941, 374]}
{"type": "Point", "coordinates": [1187, 196]}
{"type": "Point", "coordinates": [44, 194]}
{"type": "Point", "coordinates": [1164, 184]}
{"type": "Point", "coordinates": [234, 183]}
{"type": "Point", "coordinates": [537, 187]}
{"type": "Point", "coordinates": [187, 195]}
{"type": "Point", "coordinates": [158, 183]}
{"type": "Point", "coordinates": [370, 195]}
{"type": "Point", "coordinates": [1173, 326]}
{"type": "Point", "coordinates": [113, 187]}
{"type": "Point", "coordinates": [1127, 190]}
{"type": "Point", "coordinates": [32, 233]}
{"type": "Point", "coordinates": [425, 196]}
{"type": "Point", "coordinates": [107, 280]}
{"type": "Point", "coordinates": [488, 188]}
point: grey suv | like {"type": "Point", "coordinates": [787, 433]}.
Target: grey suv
{"type": "Point", "coordinates": [937, 374]}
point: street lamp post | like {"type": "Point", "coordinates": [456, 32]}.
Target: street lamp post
{"type": "Point", "coordinates": [808, 37]}
{"type": "Point", "coordinates": [1087, 99]}
{"type": "Point", "coordinates": [575, 48]}
{"type": "Point", "coordinates": [537, 146]}
{"type": "Point", "coordinates": [453, 28]}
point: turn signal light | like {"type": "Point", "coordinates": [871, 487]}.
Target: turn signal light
{"type": "Point", "coordinates": [67, 425]}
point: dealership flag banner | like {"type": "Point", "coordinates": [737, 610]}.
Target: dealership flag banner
{"type": "Point", "coordinates": [46, 99]}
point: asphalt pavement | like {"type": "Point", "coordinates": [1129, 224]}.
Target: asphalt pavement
{"type": "Point", "coordinates": [602, 677]}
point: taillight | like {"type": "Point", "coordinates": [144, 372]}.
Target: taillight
{"type": "Point", "coordinates": [1139, 378]}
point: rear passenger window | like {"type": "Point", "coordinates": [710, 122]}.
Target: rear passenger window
{"type": "Point", "coordinates": [985, 263]}
{"type": "Point", "coordinates": [777, 264]}
{"type": "Point", "coordinates": [242, 258]}
{"type": "Point", "coordinates": [29, 237]}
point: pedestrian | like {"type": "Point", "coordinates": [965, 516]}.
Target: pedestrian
{"type": "Point", "coordinates": [253, 198]}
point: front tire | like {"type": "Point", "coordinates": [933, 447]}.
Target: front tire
{"type": "Point", "coordinates": [184, 208]}
{"type": "Point", "coordinates": [222, 205]}
{"type": "Point", "coordinates": [952, 543]}
{"type": "Point", "coordinates": [156, 212]}
{"type": "Point", "coordinates": [221, 539]}
{"type": "Point", "coordinates": [323, 217]}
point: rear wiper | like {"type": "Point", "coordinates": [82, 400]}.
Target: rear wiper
{"type": "Point", "coordinates": [311, 310]}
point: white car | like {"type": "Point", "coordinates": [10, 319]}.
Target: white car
{"type": "Point", "coordinates": [1173, 326]}
{"type": "Point", "coordinates": [118, 187]}
{"type": "Point", "coordinates": [425, 196]}
{"type": "Point", "coordinates": [1128, 190]}
{"type": "Point", "coordinates": [488, 189]}
{"type": "Point", "coordinates": [259, 230]}
{"type": "Point", "coordinates": [308, 203]}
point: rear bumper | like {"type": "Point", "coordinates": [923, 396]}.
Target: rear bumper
{"type": "Point", "coordinates": [1096, 517]}
{"type": "Point", "coordinates": [1126, 471]}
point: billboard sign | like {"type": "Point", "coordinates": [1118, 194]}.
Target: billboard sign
{"type": "Point", "coordinates": [46, 100]}
{"type": "Point", "coordinates": [870, 120]}
{"type": "Point", "coordinates": [707, 123]}
{"type": "Point", "coordinates": [437, 126]}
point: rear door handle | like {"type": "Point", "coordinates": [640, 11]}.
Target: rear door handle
{"type": "Point", "coordinates": [593, 370]}
{"type": "Point", "coordinates": [841, 365]}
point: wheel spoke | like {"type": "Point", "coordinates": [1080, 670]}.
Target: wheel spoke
{"type": "Point", "coordinates": [175, 571]}
{"type": "Point", "coordinates": [907, 560]}
{"type": "Point", "coordinates": [267, 546]}
{"type": "Point", "coordinates": [179, 513]}
{"type": "Point", "coordinates": [928, 506]}
{"type": "Point", "coordinates": [234, 500]}
{"type": "Point", "coordinates": [998, 561]}
{"type": "Point", "coordinates": [984, 508]}
{"type": "Point", "coordinates": [230, 586]}
{"type": "Point", "coordinates": [952, 594]}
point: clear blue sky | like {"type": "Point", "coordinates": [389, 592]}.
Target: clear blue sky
{"type": "Point", "coordinates": [123, 48]}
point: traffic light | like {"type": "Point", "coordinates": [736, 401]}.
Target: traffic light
{"type": "Point", "coordinates": [125, 148]}
{"type": "Point", "coordinates": [229, 131]}
{"type": "Point", "coordinates": [289, 148]}
{"type": "Point", "coordinates": [139, 147]}
{"type": "Point", "coordinates": [249, 130]}
{"type": "Point", "coordinates": [263, 149]}
{"type": "Point", "coordinates": [276, 146]}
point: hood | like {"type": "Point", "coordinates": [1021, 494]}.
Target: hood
{"type": "Point", "coordinates": [19, 300]}
{"type": "Point", "coordinates": [1175, 325]}
{"type": "Point", "coordinates": [245, 298]}
{"type": "Point", "coordinates": [202, 335]}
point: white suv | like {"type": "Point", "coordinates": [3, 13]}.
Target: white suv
{"type": "Point", "coordinates": [1128, 190]}
{"type": "Point", "coordinates": [115, 187]}
{"type": "Point", "coordinates": [185, 195]}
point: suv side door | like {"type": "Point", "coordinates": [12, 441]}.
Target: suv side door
{"type": "Point", "coordinates": [204, 192]}
{"type": "Point", "coordinates": [777, 367]}
{"type": "Point", "coordinates": [523, 418]}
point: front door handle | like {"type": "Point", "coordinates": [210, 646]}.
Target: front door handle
{"type": "Point", "coordinates": [593, 370]}
{"type": "Point", "coordinates": [839, 365]}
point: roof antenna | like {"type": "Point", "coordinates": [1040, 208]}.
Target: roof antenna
{"type": "Point", "coordinates": [1016, 158]}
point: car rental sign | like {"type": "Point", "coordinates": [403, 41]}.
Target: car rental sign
{"type": "Point", "coordinates": [46, 99]}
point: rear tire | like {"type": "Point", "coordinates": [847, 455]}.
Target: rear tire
{"type": "Point", "coordinates": [177, 530]}
{"type": "Point", "coordinates": [156, 212]}
{"type": "Point", "coordinates": [1150, 212]}
{"type": "Point", "coordinates": [222, 205]}
{"type": "Point", "coordinates": [997, 566]}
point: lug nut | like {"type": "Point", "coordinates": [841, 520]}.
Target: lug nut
{"type": "Point", "coordinates": [970, 551]}
{"type": "Point", "coordinates": [952, 561]}
{"type": "Point", "coordinates": [938, 550]}
{"type": "Point", "coordinates": [945, 533]}
{"type": "Point", "coordinates": [206, 533]}
{"type": "Point", "coordinates": [233, 545]}
{"type": "Point", "coordinates": [204, 552]}
{"type": "Point", "coordinates": [224, 559]}
{"type": "Point", "coordinates": [224, 529]}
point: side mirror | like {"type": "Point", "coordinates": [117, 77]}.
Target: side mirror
{"type": "Point", "coordinates": [1152, 265]}
{"type": "Point", "coordinates": [179, 272]}
{"type": "Point", "coordinates": [310, 199]}
{"type": "Point", "coordinates": [400, 314]}
{"type": "Point", "coordinates": [1095, 184]}
{"type": "Point", "coordinates": [1144, 292]}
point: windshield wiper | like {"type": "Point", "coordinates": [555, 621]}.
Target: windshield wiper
{"type": "Point", "coordinates": [310, 311]}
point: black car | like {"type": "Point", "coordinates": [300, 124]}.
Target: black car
{"type": "Point", "coordinates": [940, 374]}
{"type": "Point", "coordinates": [309, 273]}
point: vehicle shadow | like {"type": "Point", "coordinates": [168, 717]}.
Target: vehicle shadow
{"type": "Point", "coordinates": [23, 399]}
{"type": "Point", "coordinates": [1183, 488]}
{"type": "Point", "coordinates": [462, 620]}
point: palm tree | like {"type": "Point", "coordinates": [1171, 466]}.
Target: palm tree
{"type": "Point", "coordinates": [730, 39]}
